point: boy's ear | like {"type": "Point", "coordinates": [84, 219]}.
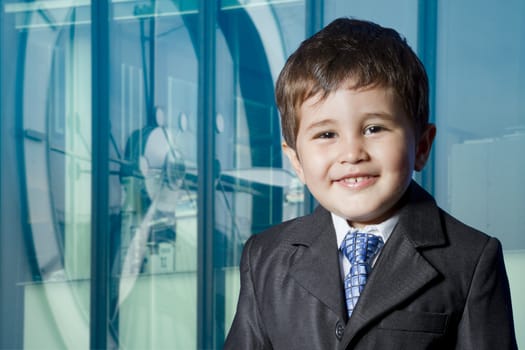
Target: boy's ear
{"type": "Point", "coordinates": [294, 159]}
{"type": "Point", "coordinates": [424, 146]}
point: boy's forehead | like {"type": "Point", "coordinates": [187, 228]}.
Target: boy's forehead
{"type": "Point", "coordinates": [311, 99]}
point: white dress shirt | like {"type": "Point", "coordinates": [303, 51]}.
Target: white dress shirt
{"type": "Point", "coordinates": [342, 227]}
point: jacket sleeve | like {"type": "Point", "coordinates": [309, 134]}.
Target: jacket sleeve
{"type": "Point", "coordinates": [487, 321]}
{"type": "Point", "coordinates": [247, 330]}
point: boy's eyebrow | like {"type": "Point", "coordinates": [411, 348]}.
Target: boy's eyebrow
{"type": "Point", "coordinates": [371, 114]}
{"type": "Point", "coordinates": [320, 124]}
{"type": "Point", "coordinates": [380, 114]}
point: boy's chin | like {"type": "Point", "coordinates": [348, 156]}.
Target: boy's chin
{"type": "Point", "coordinates": [359, 221]}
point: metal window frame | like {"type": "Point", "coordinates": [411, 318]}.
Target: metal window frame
{"type": "Point", "coordinates": [427, 47]}
{"type": "Point", "coordinates": [206, 111]}
{"type": "Point", "coordinates": [100, 237]}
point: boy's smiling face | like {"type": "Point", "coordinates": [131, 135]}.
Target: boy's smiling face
{"type": "Point", "coordinates": [356, 151]}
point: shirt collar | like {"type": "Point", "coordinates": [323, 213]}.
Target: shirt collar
{"type": "Point", "coordinates": [383, 229]}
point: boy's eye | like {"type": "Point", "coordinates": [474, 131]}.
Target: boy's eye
{"type": "Point", "coordinates": [372, 129]}
{"type": "Point", "coordinates": [326, 135]}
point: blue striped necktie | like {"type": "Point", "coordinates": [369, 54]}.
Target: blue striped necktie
{"type": "Point", "coordinates": [360, 249]}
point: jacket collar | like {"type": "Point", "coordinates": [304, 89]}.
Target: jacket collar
{"type": "Point", "coordinates": [420, 218]}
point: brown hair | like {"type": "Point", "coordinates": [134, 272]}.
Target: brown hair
{"type": "Point", "coordinates": [362, 51]}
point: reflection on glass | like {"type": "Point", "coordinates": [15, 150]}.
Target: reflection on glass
{"type": "Point", "coordinates": [153, 187]}
{"type": "Point", "coordinates": [256, 187]}
{"type": "Point", "coordinates": [154, 133]}
{"type": "Point", "coordinates": [55, 121]}
{"type": "Point", "coordinates": [153, 145]}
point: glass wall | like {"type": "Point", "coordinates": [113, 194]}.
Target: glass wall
{"type": "Point", "coordinates": [129, 235]}
{"type": "Point", "coordinates": [480, 90]}
{"type": "Point", "coordinates": [153, 112]}
{"type": "Point", "coordinates": [46, 148]}
{"type": "Point", "coordinates": [193, 166]}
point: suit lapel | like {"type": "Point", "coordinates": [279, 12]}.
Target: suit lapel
{"type": "Point", "coordinates": [401, 270]}
{"type": "Point", "coordinates": [316, 270]}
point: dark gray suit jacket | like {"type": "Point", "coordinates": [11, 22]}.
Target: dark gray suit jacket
{"type": "Point", "coordinates": [437, 284]}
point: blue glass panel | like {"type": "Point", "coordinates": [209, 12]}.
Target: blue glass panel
{"type": "Point", "coordinates": [49, 177]}
{"type": "Point", "coordinates": [153, 182]}
{"type": "Point", "coordinates": [481, 125]}
{"type": "Point", "coordinates": [256, 186]}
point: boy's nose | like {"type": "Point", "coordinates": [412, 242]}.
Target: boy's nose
{"type": "Point", "coordinates": [352, 151]}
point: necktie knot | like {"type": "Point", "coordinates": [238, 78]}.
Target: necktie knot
{"type": "Point", "coordinates": [360, 249]}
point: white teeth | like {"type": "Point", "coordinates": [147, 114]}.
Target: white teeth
{"type": "Point", "coordinates": [355, 180]}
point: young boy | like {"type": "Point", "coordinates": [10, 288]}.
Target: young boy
{"type": "Point", "coordinates": [354, 108]}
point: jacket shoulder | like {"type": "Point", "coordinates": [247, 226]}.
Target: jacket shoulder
{"type": "Point", "coordinates": [301, 230]}
{"type": "Point", "coordinates": [462, 234]}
